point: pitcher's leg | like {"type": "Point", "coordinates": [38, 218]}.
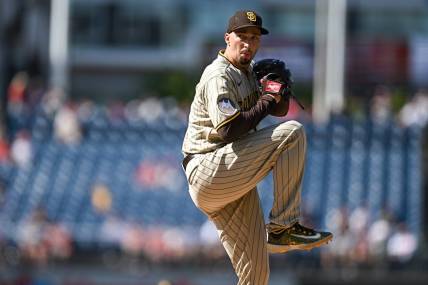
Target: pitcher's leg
{"type": "Point", "coordinates": [242, 231]}
{"type": "Point", "coordinates": [287, 175]}
{"type": "Point", "coordinates": [228, 173]}
{"type": "Point", "coordinates": [285, 233]}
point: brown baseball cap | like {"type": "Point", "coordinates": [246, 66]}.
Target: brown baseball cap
{"type": "Point", "coordinates": [243, 19]}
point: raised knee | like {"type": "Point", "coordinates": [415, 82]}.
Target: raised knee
{"type": "Point", "coordinates": [292, 127]}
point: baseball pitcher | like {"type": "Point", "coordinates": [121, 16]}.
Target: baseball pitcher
{"type": "Point", "coordinates": [226, 156]}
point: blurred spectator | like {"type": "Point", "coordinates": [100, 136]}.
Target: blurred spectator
{"type": "Point", "coordinates": [158, 175]}
{"type": "Point", "coordinates": [380, 105]}
{"type": "Point", "coordinates": [4, 151]}
{"type": "Point", "coordinates": [151, 109]}
{"type": "Point", "coordinates": [357, 242]}
{"type": "Point", "coordinates": [35, 93]}
{"type": "Point", "coordinates": [175, 240]}
{"type": "Point", "coordinates": [346, 243]}
{"type": "Point", "coordinates": [377, 237]}
{"type": "Point", "coordinates": [360, 252]}
{"type": "Point", "coordinates": [337, 219]}
{"type": "Point", "coordinates": [101, 198]}
{"type": "Point", "coordinates": [85, 111]}
{"type": "Point", "coordinates": [415, 112]}
{"type": "Point", "coordinates": [401, 245]}
{"type": "Point", "coordinates": [40, 239]}
{"type": "Point", "coordinates": [132, 242]}
{"type": "Point", "coordinates": [116, 112]}
{"type": "Point", "coordinates": [21, 150]}
{"type": "Point", "coordinates": [153, 244]}
{"type": "Point", "coordinates": [16, 105]}
{"type": "Point", "coordinates": [58, 241]}
{"type": "Point", "coordinates": [31, 237]}
{"type": "Point", "coordinates": [131, 111]}
{"type": "Point", "coordinates": [66, 125]}
{"type": "Point", "coordinates": [52, 101]}
{"type": "Point", "coordinates": [112, 230]}
{"type": "Point", "coordinates": [339, 252]}
{"type": "Point", "coordinates": [16, 92]}
{"type": "Point", "coordinates": [358, 220]}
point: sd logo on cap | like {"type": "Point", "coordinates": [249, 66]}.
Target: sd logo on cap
{"type": "Point", "coordinates": [244, 19]}
{"type": "Point", "coordinates": [251, 16]}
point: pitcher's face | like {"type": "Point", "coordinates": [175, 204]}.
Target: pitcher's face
{"type": "Point", "coordinates": [242, 46]}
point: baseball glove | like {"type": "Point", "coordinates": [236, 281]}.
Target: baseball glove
{"type": "Point", "coordinates": [271, 72]}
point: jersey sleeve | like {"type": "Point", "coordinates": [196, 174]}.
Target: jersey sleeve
{"type": "Point", "coordinates": [221, 98]}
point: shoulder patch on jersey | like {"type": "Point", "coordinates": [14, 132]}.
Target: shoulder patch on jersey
{"type": "Point", "coordinates": [226, 106]}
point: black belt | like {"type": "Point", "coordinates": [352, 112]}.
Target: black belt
{"type": "Point", "coordinates": [186, 160]}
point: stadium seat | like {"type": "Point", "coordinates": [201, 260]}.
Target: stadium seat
{"type": "Point", "coordinates": [349, 163]}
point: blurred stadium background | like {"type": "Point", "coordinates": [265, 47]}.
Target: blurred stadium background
{"type": "Point", "coordinates": [94, 102]}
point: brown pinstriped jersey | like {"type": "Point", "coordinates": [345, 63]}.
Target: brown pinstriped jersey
{"type": "Point", "coordinates": [222, 92]}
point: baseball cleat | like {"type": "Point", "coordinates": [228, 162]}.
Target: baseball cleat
{"type": "Point", "coordinates": [296, 237]}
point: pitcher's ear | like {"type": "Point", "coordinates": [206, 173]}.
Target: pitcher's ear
{"type": "Point", "coordinates": [227, 38]}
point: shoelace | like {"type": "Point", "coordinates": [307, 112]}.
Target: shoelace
{"type": "Point", "coordinates": [298, 227]}
{"type": "Point", "coordinates": [303, 229]}
{"type": "Point", "coordinates": [277, 231]}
